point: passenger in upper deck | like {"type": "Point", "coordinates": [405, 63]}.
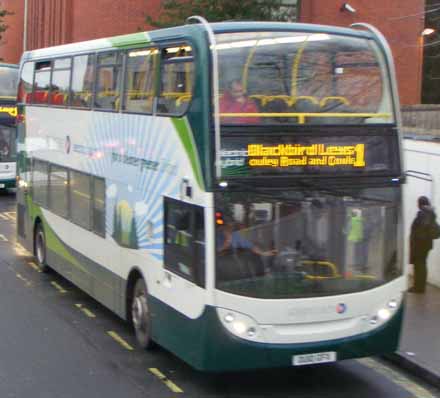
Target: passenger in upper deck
{"type": "Point", "coordinates": [234, 100]}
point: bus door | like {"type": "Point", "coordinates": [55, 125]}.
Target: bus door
{"type": "Point", "coordinates": [183, 283]}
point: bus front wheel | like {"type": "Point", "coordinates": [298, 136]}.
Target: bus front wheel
{"type": "Point", "coordinates": [140, 315]}
{"type": "Point", "coordinates": [40, 248]}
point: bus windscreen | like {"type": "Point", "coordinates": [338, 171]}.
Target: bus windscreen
{"type": "Point", "coordinates": [301, 78]}
{"type": "Point", "coordinates": [8, 83]}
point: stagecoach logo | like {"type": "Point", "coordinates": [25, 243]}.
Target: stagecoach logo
{"type": "Point", "coordinates": [341, 308]}
{"type": "Point", "coordinates": [67, 145]}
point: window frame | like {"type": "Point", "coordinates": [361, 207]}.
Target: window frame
{"type": "Point", "coordinates": [92, 56]}
{"type": "Point", "coordinates": [68, 216]}
{"type": "Point", "coordinates": [49, 190]}
{"type": "Point", "coordinates": [70, 199]}
{"type": "Point", "coordinates": [161, 46]}
{"type": "Point", "coordinates": [22, 100]}
{"type": "Point", "coordinates": [92, 207]}
{"type": "Point", "coordinates": [36, 62]}
{"type": "Point", "coordinates": [120, 54]}
{"type": "Point", "coordinates": [69, 90]}
{"type": "Point", "coordinates": [34, 161]}
{"type": "Point", "coordinates": [156, 75]}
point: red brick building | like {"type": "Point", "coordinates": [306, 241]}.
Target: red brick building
{"type": "Point", "coordinates": [51, 22]}
{"type": "Point", "coordinates": [401, 21]}
{"type": "Point", "coordinates": [11, 45]}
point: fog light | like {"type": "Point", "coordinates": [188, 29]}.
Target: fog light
{"type": "Point", "coordinates": [229, 318]}
{"type": "Point", "coordinates": [373, 320]}
{"type": "Point", "coordinates": [392, 304]}
{"type": "Point", "coordinates": [239, 327]}
{"type": "Point", "coordinates": [384, 314]}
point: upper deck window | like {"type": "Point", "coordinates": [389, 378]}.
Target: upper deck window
{"type": "Point", "coordinates": [40, 93]}
{"type": "Point", "coordinates": [177, 76]}
{"type": "Point", "coordinates": [60, 82]}
{"type": "Point", "coordinates": [109, 78]}
{"type": "Point", "coordinates": [301, 78]}
{"type": "Point", "coordinates": [140, 74]}
{"type": "Point", "coordinates": [82, 81]}
{"type": "Point", "coordinates": [26, 82]}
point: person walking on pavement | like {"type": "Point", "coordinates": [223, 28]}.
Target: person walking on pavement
{"type": "Point", "coordinates": [421, 238]}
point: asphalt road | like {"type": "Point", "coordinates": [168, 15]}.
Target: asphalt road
{"type": "Point", "coordinates": [56, 342]}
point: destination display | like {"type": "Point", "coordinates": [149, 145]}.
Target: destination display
{"type": "Point", "coordinates": [256, 156]}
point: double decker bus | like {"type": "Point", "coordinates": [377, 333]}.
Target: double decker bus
{"type": "Point", "coordinates": [8, 115]}
{"type": "Point", "coordinates": [233, 190]}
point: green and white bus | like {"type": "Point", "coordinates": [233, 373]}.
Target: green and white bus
{"type": "Point", "coordinates": [8, 116]}
{"type": "Point", "coordinates": [233, 189]}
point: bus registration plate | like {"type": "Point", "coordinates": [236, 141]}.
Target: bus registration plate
{"type": "Point", "coordinates": [317, 357]}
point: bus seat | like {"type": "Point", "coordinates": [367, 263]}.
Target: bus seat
{"type": "Point", "coordinates": [334, 100]}
{"type": "Point", "coordinates": [338, 105]}
{"type": "Point", "coordinates": [306, 104]}
{"type": "Point", "coordinates": [258, 99]}
{"type": "Point", "coordinates": [275, 105]}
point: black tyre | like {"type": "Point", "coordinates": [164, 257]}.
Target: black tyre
{"type": "Point", "coordinates": [40, 248]}
{"type": "Point", "coordinates": [140, 315]}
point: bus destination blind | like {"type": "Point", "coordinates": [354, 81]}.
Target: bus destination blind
{"type": "Point", "coordinates": [244, 156]}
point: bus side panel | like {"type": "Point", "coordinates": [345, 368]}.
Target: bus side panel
{"type": "Point", "coordinates": [96, 280]}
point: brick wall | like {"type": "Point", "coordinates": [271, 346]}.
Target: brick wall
{"type": "Point", "coordinates": [109, 18]}
{"type": "Point", "coordinates": [11, 45]}
{"type": "Point", "coordinates": [401, 21]}
{"type": "Point", "coordinates": [49, 23]}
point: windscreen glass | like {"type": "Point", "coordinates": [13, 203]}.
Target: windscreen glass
{"type": "Point", "coordinates": [8, 83]}
{"type": "Point", "coordinates": [306, 243]}
{"type": "Point", "coordinates": [7, 144]}
{"type": "Point", "coordinates": [301, 78]}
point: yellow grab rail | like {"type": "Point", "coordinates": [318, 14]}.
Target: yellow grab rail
{"type": "Point", "coordinates": [302, 116]}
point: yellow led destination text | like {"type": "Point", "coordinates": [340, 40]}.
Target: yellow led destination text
{"type": "Point", "coordinates": [11, 110]}
{"type": "Point", "coordinates": [287, 155]}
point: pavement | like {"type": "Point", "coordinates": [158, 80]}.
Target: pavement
{"type": "Point", "coordinates": [419, 350]}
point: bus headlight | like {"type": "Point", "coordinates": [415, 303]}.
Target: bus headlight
{"type": "Point", "coordinates": [239, 324]}
{"type": "Point", "coordinates": [386, 312]}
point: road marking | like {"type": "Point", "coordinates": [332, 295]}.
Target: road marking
{"type": "Point", "coordinates": [34, 266]}
{"type": "Point", "coordinates": [22, 278]}
{"type": "Point", "coordinates": [11, 215]}
{"type": "Point", "coordinates": [85, 310]}
{"type": "Point", "coordinates": [58, 287]}
{"type": "Point", "coordinates": [20, 250]}
{"type": "Point", "coordinates": [397, 378]}
{"type": "Point", "coordinates": [173, 387]}
{"type": "Point", "coordinates": [120, 340]}
{"type": "Point", "coordinates": [3, 238]}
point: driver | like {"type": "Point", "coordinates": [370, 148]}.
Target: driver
{"type": "Point", "coordinates": [228, 239]}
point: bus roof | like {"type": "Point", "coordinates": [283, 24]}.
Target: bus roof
{"type": "Point", "coordinates": [143, 38]}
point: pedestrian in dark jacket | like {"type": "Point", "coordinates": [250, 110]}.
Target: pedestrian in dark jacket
{"type": "Point", "coordinates": [421, 243]}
